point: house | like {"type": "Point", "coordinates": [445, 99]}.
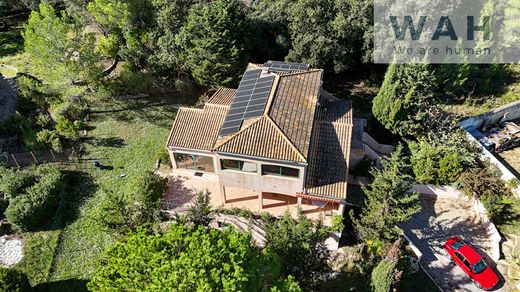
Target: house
{"type": "Point", "coordinates": [279, 135]}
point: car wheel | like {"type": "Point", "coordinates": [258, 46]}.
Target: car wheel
{"type": "Point", "coordinates": [477, 284]}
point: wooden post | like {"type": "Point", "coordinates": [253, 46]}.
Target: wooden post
{"type": "Point", "coordinates": [299, 201]}
{"type": "Point", "coordinates": [15, 161]}
{"type": "Point", "coordinates": [34, 157]}
{"type": "Point", "coordinates": [260, 201]}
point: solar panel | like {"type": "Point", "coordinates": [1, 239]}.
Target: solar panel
{"type": "Point", "coordinates": [285, 66]}
{"type": "Point", "coordinates": [249, 101]}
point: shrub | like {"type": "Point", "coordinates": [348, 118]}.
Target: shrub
{"type": "Point", "coordinates": [185, 259]}
{"type": "Point", "coordinates": [441, 158]}
{"type": "Point", "coordinates": [383, 276]}
{"type": "Point", "coordinates": [450, 167]}
{"type": "Point", "coordinates": [13, 281]}
{"type": "Point", "coordinates": [337, 223]}
{"type": "Point", "coordinates": [485, 184]}
{"type": "Point", "coordinates": [50, 139]}
{"type": "Point", "coordinates": [37, 204]}
{"type": "Point", "coordinates": [13, 183]}
{"type": "Point", "coordinates": [200, 209]}
{"type": "Point", "coordinates": [66, 128]}
{"type": "Point", "coordinates": [163, 155]}
{"type": "Point", "coordinates": [137, 205]}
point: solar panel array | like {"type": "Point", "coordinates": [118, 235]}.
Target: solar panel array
{"type": "Point", "coordinates": [249, 101]}
{"type": "Point", "coordinates": [285, 66]}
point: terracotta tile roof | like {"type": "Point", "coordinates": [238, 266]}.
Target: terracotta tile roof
{"type": "Point", "coordinates": [223, 96]}
{"type": "Point", "coordinates": [261, 139]}
{"type": "Point", "coordinates": [327, 174]}
{"type": "Point", "coordinates": [294, 104]}
{"type": "Point", "coordinates": [197, 128]}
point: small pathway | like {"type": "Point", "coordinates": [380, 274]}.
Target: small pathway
{"type": "Point", "coordinates": [7, 98]}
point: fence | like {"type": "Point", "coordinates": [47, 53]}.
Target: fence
{"type": "Point", "coordinates": [26, 159]}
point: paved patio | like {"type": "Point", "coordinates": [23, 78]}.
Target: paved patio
{"type": "Point", "coordinates": [440, 219]}
{"type": "Point", "coordinates": [184, 185]}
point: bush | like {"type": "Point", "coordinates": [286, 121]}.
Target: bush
{"type": "Point", "coordinates": [137, 205]}
{"type": "Point", "coordinates": [66, 128]}
{"type": "Point", "coordinates": [337, 223]}
{"type": "Point", "coordinates": [200, 209]}
{"type": "Point", "coordinates": [37, 204]}
{"type": "Point", "coordinates": [441, 158]}
{"type": "Point", "coordinates": [13, 183]}
{"type": "Point", "coordinates": [50, 139]}
{"type": "Point", "coordinates": [485, 184]}
{"type": "Point", "coordinates": [383, 276]}
{"type": "Point", "coordinates": [13, 281]}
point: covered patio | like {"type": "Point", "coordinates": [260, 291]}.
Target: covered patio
{"type": "Point", "coordinates": [183, 185]}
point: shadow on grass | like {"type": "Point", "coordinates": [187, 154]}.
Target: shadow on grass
{"type": "Point", "coordinates": [75, 285]}
{"type": "Point", "coordinates": [80, 186]}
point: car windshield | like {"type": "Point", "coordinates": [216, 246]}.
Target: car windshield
{"type": "Point", "coordinates": [479, 267]}
{"type": "Point", "coordinates": [457, 245]}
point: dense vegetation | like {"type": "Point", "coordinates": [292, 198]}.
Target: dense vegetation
{"type": "Point", "coordinates": [186, 259]}
{"type": "Point", "coordinates": [79, 60]}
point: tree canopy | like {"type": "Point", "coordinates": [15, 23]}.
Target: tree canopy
{"type": "Point", "coordinates": [59, 50]}
{"type": "Point", "coordinates": [388, 202]}
{"type": "Point", "coordinates": [299, 245]}
{"type": "Point", "coordinates": [186, 259]}
{"type": "Point", "coordinates": [213, 42]}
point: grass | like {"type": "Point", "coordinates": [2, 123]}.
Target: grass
{"type": "Point", "coordinates": [38, 251]}
{"type": "Point", "coordinates": [126, 136]}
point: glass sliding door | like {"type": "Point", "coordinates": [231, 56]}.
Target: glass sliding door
{"type": "Point", "coordinates": [194, 162]}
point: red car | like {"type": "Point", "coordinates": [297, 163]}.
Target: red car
{"type": "Point", "coordinates": [468, 259]}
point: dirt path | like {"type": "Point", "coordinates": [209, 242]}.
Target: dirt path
{"type": "Point", "coordinates": [7, 98]}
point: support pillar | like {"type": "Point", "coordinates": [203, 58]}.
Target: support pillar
{"type": "Point", "coordinates": [341, 208]}
{"type": "Point", "coordinates": [299, 201]}
{"type": "Point", "coordinates": [223, 193]}
{"type": "Point", "coordinates": [172, 159]}
{"type": "Point", "coordinates": [260, 201]}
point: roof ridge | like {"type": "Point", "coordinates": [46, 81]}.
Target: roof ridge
{"type": "Point", "coordinates": [236, 134]}
{"type": "Point", "coordinates": [215, 105]}
{"type": "Point", "coordinates": [286, 138]}
{"type": "Point", "coordinates": [272, 94]}
{"type": "Point", "coordinates": [286, 74]}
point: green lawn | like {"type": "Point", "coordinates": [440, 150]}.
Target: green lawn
{"type": "Point", "coordinates": [126, 136]}
{"type": "Point", "coordinates": [39, 249]}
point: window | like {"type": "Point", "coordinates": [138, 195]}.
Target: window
{"type": "Point", "coordinates": [194, 162]}
{"type": "Point", "coordinates": [466, 263]}
{"type": "Point", "coordinates": [457, 244]}
{"type": "Point", "coordinates": [479, 267]}
{"type": "Point", "coordinates": [238, 165]}
{"type": "Point", "coordinates": [461, 258]}
{"type": "Point", "coordinates": [280, 170]}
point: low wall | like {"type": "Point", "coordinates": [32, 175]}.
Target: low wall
{"type": "Point", "coordinates": [452, 193]}
{"type": "Point", "coordinates": [493, 117]}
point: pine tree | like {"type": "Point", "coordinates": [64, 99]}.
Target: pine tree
{"type": "Point", "coordinates": [388, 201]}
{"type": "Point", "coordinates": [404, 98]}
{"type": "Point", "coordinates": [213, 42]}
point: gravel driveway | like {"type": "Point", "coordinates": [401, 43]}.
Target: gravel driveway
{"type": "Point", "coordinates": [440, 219]}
